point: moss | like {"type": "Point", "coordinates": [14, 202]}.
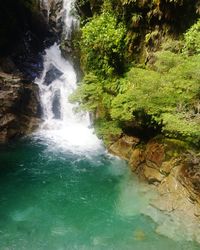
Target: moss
{"type": "Point", "coordinates": [174, 148]}
{"type": "Point", "coordinates": [108, 131]}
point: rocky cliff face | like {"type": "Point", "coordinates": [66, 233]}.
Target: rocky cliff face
{"type": "Point", "coordinates": [20, 110]}
{"type": "Point", "coordinates": [25, 31]}
{"type": "Point", "coordinates": [53, 13]}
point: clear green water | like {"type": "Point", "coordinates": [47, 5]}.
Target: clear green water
{"type": "Point", "coordinates": [54, 200]}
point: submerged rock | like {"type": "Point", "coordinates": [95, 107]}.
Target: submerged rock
{"type": "Point", "coordinates": [139, 235]}
{"type": "Point", "coordinates": [20, 109]}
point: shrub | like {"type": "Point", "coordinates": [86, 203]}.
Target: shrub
{"type": "Point", "coordinates": [102, 44]}
{"type": "Point", "coordinates": [167, 94]}
{"type": "Point", "coordinates": [192, 39]}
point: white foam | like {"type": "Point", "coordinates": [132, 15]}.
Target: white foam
{"type": "Point", "coordinates": [70, 21]}
{"type": "Point", "coordinates": [71, 131]}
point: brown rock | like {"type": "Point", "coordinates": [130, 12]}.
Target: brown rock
{"type": "Point", "coordinates": [189, 175]}
{"type": "Point", "coordinates": [170, 185]}
{"type": "Point", "coordinates": [152, 175]}
{"type": "Point", "coordinates": [19, 106]}
{"type": "Point", "coordinates": [139, 235]}
{"type": "Point", "coordinates": [173, 195]}
{"type": "Point", "coordinates": [155, 153]}
{"type": "Point", "coordinates": [131, 140]}
{"type": "Point", "coordinates": [136, 159]}
{"type": "Point", "coordinates": [123, 147]}
{"type": "Point", "coordinates": [166, 167]}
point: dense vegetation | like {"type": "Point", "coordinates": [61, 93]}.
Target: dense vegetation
{"type": "Point", "coordinates": [141, 65]}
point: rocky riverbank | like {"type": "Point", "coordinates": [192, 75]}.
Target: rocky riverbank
{"type": "Point", "coordinates": [173, 170]}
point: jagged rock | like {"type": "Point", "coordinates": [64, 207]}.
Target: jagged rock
{"type": "Point", "coordinates": [136, 159]}
{"type": "Point", "coordinates": [20, 110]}
{"type": "Point", "coordinates": [52, 74]}
{"type": "Point", "coordinates": [130, 140]}
{"type": "Point", "coordinates": [190, 175]}
{"type": "Point", "coordinates": [123, 147]}
{"type": "Point", "coordinates": [155, 153]}
{"type": "Point", "coordinates": [53, 12]}
{"type": "Point", "coordinates": [152, 175]}
{"type": "Point", "coordinates": [167, 166]}
{"type": "Point", "coordinates": [23, 35]}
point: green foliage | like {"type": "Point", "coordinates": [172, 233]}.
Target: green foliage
{"type": "Point", "coordinates": [88, 94]}
{"type": "Point", "coordinates": [167, 60]}
{"type": "Point", "coordinates": [108, 130]}
{"type": "Point", "coordinates": [94, 93]}
{"type": "Point", "coordinates": [167, 94]}
{"type": "Point", "coordinates": [164, 95]}
{"type": "Point", "coordinates": [102, 44]}
{"type": "Point", "coordinates": [175, 46]}
{"type": "Point", "coordinates": [151, 36]}
{"type": "Point", "coordinates": [134, 93]}
{"type": "Point", "coordinates": [192, 39]}
{"type": "Point", "coordinates": [176, 125]}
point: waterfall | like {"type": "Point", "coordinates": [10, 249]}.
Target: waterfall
{"type": "Point", "coordinates": [69, 20]}
{"type": "Point", "coordinates": [61, 126]}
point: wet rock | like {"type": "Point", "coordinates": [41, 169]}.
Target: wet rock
{"type": "Point", "coordinates": [53, 12]}
{"type": "Point", "coordinates": [136, 158]}
{"type": "Point", "coordinates": [123, 147]}
{"type": "Point", "coordinates": [23, 35]}
{"type": "Point", "coordinates": [155, 153]}
{"type": "Point", "coordinates": [167, 166]}
{"type": "Point", "coordinates": [139, 235]}
{"type": "Point", "coordinates": [56, 105]}
{"type": "Point", "coordinates": [20, 110]}
{"type": "Point", "coordinates": [7, 65]}
{"type": "Point", "coordinates": [52, 74]}
{"type": "Point", "coordinates": [190, 174]}
{"type": "Point", "coordinates": [152, 175]}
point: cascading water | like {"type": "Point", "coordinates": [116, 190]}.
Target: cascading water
{"type": "Point", "coordinates": [50, 199]}
{"type": "Point", "coordinates": [69, 20]}
{"type": "Point", "coordinates": [58, 80]}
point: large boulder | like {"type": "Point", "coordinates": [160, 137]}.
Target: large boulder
{"type": "Point", "coordinates": [20, 109]}
{"type": "Point", "coordinates": [52, 74]}
{"type": "Point", "coordinates": [123, 147]}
